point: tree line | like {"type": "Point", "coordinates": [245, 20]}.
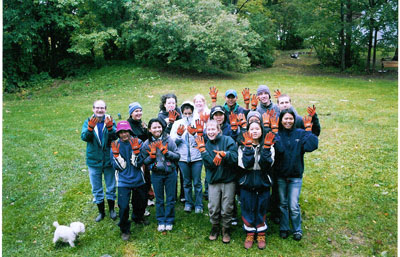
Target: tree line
{"type": "Point", "coordinates": [56, 38]}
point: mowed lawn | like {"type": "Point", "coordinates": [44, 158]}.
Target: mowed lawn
{"type": "Point", "coordinates": [349, 194]}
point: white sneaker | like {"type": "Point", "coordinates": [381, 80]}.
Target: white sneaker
{"type": "Point", "coordinates": [146, 213]}
{"type": "Point", "coordinates": [168, 227]}
{"type": "Point", "coordinates": [161, 228]}
{"type": "Point", "coordinates": [150, 202]}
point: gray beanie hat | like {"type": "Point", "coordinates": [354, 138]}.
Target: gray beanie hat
{"type": "Point", "coordinates": [263, 88]}
{"type": "Point", "coordinates": [253, 114]}
{"type": "Point", "coordinates": [133, 106]}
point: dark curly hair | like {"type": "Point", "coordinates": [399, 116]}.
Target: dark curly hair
{"type": "Point", "coordinates": [164, 100]}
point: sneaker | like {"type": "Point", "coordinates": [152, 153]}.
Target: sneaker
{"type": "Point", "coordinates": [150, 202]}
{"type": "Point", "coordinates": [226, 236]}
{"type": "Point", "coordinates": [261, 241]}
{"type": "Point", "coordinates": [198, 210]}
{"type": "Point", "coordinates": [297, 236]}
{"type": "Point", "coordinates": [248, 243]}
{"type": "Point", "coordinates": [125, 236]}
{"type": "Point", "coordinates": [187, 208]}
{"type": "Point", "coordinates": [284, 234]}
{"type": "Point", "coordinates": [214, 233]}
{"type": "Point", "coordinates": [146, 213]}
{"type": "Point", "coordinates": [234, 221]}
{"type": "Point", "coordinates": [161, 228]}
{"type": "Point", "coordinates": [168, 227]}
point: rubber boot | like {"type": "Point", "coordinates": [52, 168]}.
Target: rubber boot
{"type": "Point", "coordinates": [102, 214]}
{"type": "Point", "coordinates": [111, 204]}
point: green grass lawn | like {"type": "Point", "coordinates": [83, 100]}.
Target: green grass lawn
{"type": "Point", "coordinates": [349, 194]}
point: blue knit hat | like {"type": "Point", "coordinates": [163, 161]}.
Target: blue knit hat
{"type": "Point", "coordinates": [133, 106]}
{"type": "Point", "coordinates": [263, 89]}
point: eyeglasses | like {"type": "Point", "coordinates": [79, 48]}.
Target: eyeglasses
{"type": "Point", "coordinates": [187, 113]}
{"type": "Point", "coordinates": [99, 108]}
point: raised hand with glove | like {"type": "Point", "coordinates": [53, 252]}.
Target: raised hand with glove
{"type": "Point", "coordinates": [307, 123]}
{"type": "Point", "coordinates": [153, 150]}
{"type": "Point", "coordinates": [233, 120]}
{"type": "Point", "coordinates": [274, 121]}
{"type": "Point", "coordinates": [134, 142]}
{"type": "Point", "coordinates": [181, 129]}
{"type": "Point", "coordinates": [92, 123]}
{"type": "Point", "coordinates": [172, 115]}
{"type": "Point", "coordinates": [246, 97]}
{"type": "Point", "coordinates": [109, 123]}
{"type": "Point", "coordinates": [200, 144]}
{"type": "Point", "coordinates": [254, 102]}
{"type": "Point", "coordinates": [218, 157]}
{"type": "Point", "coordinates": [269, 140]}
{"type": "Point", "coordinates": [213, 94]}
{"type": "Point", "coordinates": [248, 141]}
{"type": "Point", "coordinates": [199, 127]}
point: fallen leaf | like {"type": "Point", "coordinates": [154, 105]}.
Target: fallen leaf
{"type": "Point", "coordinates": [374, 221]}
{"type": "Point", "coordinates": [386, 214]}
{"type": "Point", "coordinates": [55, 153]}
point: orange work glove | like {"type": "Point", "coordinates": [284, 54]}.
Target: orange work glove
{"type": "Point", "coordinates": [204, 117]}
{"type": "Point", "coordinates": [181, 129]}
{"type": "Point", "coordinates": [269, 140]}
{"type": "Point", "coordinates": [311, 111]}
{"type": "Point", "coordinates": [248, 141]}
{"type": "Point", "coordinates": [242, 120]}
{"type": "Point", "coordinates": [254, 102]}
{"type": "Point", "coordinates": [200, 144]}
{"type": "Point", "coordinates": [153, 150]}
{"type": "Point", "coordinates": [233, 120]}
{"type": "Point", "coordinates": [307, 123]}
{"type": "Point", "coordinates": [213, 93]}
{"type": "Point", "coordinates": [191, 130]}
{"type": "Point", "coordinates": [246, 95]}
{"type": "Point", "coordinates": [199, 127]}
{"type": "Point", "coordinates": [274, 121]}
{"type": "Point", "coordinates": [92, 123]}
{"type": "Point", "coordinates": [267, 116]}
{"type": "Point", "coordinates": [109, 123]}
{"type": "Point", "coordinates": [218, 157]}
{"type": "Point", "coordinates": [134, 141]}
{"type": "Point", "coordinates": [172, 115]}
{"type": "Point", "coordinates": [277, 93]}
{"type": "Point", "coordinates": [115, 148]}
{"type": "Point", "coordinates": [163, 148]}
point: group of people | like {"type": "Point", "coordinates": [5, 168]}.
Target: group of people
{"type": "Point", "coordinates": [255, 152]}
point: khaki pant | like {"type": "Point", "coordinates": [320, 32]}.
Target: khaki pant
{"type": "Point", "coordinates": [220, 203]}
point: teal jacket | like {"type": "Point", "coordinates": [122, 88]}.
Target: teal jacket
{"type": "Point", "coordinates": [98, 153]}
{"type": "Point", "coordinates": [226, 171]}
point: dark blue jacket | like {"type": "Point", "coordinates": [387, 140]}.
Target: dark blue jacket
{"type": "Point", "coordinates": [255, 163]}
{"type": "Point", "coordinates": [225, 172]}
{"type": "Point", "coordinates": [290, 147]}
{"type": "Point", "coordinates": [162, 164]}
{"type": "Point", "coordinates": [131, 175]}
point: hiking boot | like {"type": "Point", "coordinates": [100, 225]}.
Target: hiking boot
{"type": "Point", "coordinates": [125, 236]}
{"type": "Point", "coordinates": [226, 236]}
{"type": "Point", "coordinates": [261, 241]}
{"type": "Point", "coordinates": [284, 234]}
{"type": "Point", "coordinates": [214, 233]}
{"type": "Point", "coordinates": [113, 213]}
{"type": "Point", "coordinates": [297, 236]}
{"type": "Point", "coordinates": [142, 222]}
{"type": "Point", "coordinates": [102, 213]}
{"type": "Point", "coordinates": [248, 243]}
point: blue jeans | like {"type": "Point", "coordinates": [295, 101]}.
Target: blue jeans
{"type": "Point", "coordinates": [137, 196]}
{"type": "Point", "coordinates": [95, 175]}
{"type": "Point", "coordinates": [165, 213]}
{"type": "Point", "coordinates": [289, 193]}
{"type": "Point", "coordinates": [192, 172]}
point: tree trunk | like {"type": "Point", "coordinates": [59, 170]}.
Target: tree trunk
{"type": "Point", "coordinates": [342, 53]}
{"type": "Point", "coordinates": [348, 34]}
{"type": "Point", "coordinates": [375, 43]}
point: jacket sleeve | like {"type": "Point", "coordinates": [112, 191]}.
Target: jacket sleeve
{"type": "Point", "coordinates": [177, 138]}
{"type": "Point", "coordinates": [137, 160]}
{"type": "Point", "coordinates": [309, 141]}
{"type": "Point", "coordinates": [208, 160]}
{"type": "Point", "coordinates": [316, 127]}
{"type": "Point", "coordinates": [118, 163]}
{"type": "Point", "coordinates": [86, 135]}
{"type": "Point", "coordinates": [231, 152]}
{"type": "Point", "coordinates": [112, 135]}
{"type": "Point", "coordinates": [266, 159]}
{"type": "Point", "coordinates": [279, 148]}
{"type": "Point", "coordinates": [248, 157]}
{"type": "Point", "coordinates": [172, 153]}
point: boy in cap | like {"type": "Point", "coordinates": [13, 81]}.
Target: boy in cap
{"type": "Point", "coordinates": [127, 161]}
{"type": "Point", "coordinates": [98, 131]}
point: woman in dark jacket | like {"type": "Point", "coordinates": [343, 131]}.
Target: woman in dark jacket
{"type": "Point", "coordinates": [161, 156]}
{"type": "Point", "coordinates": [255, 161]}
{"type": "Point", "coordinates": [291, 144]}
{"type": "Point", "coordinates": [139, 129]}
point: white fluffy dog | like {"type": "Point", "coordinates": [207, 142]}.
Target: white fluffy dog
{"type": "Point", "coordinates": [68, 234]}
